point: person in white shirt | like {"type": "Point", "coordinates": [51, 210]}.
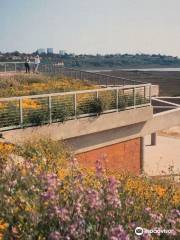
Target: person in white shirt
{"type": "Point", "coordinates": [36, 63]}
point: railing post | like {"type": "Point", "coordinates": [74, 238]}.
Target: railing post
{"type": "Point", "coordinates": [134, 93]}
{"type": "Point", "coordinates": [144, 94]}
{"type": "Point", "coordinates": [75, 105]}
{"type": "Point", "coordinates": [15, 67]}
{"type": "Point", "coordinates": [5, 67]}
{"type": "Point", "coordinates": [150, 94]}
{"type": "Point", "coordinates": [50, 109]}
{"type": "Point", "coordinates": [21, 112]}
{"type": "Point", "coordinates": [117, 99]}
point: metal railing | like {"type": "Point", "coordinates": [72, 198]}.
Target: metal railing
{"type": "Point", "coordinates": [95, 78]}
{"type": "Point", "coordinates": [12, 66]}
{"type": "Point", "coordinates": [25, 111]}
{"type": "Point", "coordinates": [55, 69]}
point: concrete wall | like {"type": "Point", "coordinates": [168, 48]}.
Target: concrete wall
{"type": "Point", "coordinates": [93, 133]}
{"type": "Point", "coordinates": [160, 121]}
{"type": "Point", "coordinates": [115, 158]}
{"type": "Point", "coordinates": [82, 127]}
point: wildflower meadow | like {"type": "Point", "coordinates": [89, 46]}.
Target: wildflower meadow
{"type": "Point", "coordinates": [45, 194]}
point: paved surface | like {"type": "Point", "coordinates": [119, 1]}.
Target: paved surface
{"type": "Point", "coordinates": [172, 132]}
{"type": "Point", "coordinates": [159, 158]}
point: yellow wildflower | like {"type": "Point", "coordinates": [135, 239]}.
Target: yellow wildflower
{"type": "Point", "coordinates": [3, 227]}
{"type": "Point", "coordinates": [6, 148]}
{"type": "Point", "coordinates": [160, 191]}
{"type": "Point", "coordinates": [29, 103]}
{"type": "Point", "coordinates": [176, 198]}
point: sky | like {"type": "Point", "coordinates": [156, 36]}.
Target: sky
{"type": "Point", "coordinates": [91, 26]}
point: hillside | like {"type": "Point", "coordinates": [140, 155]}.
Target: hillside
{"type": "Point", "coordinates": [108, 61]}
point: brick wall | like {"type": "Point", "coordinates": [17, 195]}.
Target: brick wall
{"type": "Point", "coordinates": [122, 156]}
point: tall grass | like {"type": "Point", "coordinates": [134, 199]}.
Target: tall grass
{"type": "Point", "coordinates": [24, 84]}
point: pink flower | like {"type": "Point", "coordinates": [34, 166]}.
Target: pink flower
{"type": "Point", "coordinates": [99, 168]}
{"type": "Point", "coordinates": [54, 236]}
{"type": "Point", "coordinates": [64, 215]}
{"type": "Point", "coordinates": [93, 199]}
{"type": "Point", "coordinates": [112, 193]}
{"type": "Point", "coordinates": [118, 233]}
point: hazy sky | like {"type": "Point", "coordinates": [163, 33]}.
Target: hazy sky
{"type": "Point", "coordinates": [91, 26]}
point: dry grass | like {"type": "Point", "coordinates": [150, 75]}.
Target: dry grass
{"type": "Point", "coordinates": [32, 84]}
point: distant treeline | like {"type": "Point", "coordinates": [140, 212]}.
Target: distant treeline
{"type": "Point", "coordinates": [101, 61]}
{"type": "Point", "coordinates": [120, 61]}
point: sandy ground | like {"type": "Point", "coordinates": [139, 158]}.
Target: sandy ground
{"type": "Point", "coordinates": [159, 158]}
{"type": "Point", "coordinates": [172, 132]}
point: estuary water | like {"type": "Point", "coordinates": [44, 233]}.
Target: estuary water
{"type": "Point", "coordinates": [138, 69]}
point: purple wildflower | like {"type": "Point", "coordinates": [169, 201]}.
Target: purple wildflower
{"type": "Point", "coordinates": [99, 168]}
{"type": "Point", "coordinates": [54, 236]}
{"type": "Point", "coordinates": [118, 233]}
{"type": "Point", "coordinates": [51, 184]}
{"type": "Point", "coordinates": [48, 195]}
{"type": "Point", "coordinates": [175, 212]}
{"type": "Point", "coordinates": [112, 193]}
{"type": "Point", "coordinates": [172, 232]}
{"type": "Point", "coordinates": [62, 213]}
{"type": "Point", "coordinates": [93, 199]}
{"type": "Point", "coordinates": [147, 209]}
{"type": "Point", "coordinates": [156, 217]}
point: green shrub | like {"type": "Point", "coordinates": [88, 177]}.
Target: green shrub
{"type": "Point", "coordinates": [36, 118]}
{"type": "Point", "coordinates": [94, 106]}
{"type": "Point", "coordinates": [62, 112]}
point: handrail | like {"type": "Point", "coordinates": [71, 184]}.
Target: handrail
{"type": "Point", "coordinates": [54, 69]}
{"type": "Point", "coordinates": [9, 62]}
{"type": "Point", "coordinates": [48, 108]}
{"type": "Point", "coordinates": [73, 92]}
{"type": "Point", "coordinates": [105, 75]}
{"type": "Point", "coordinates": [14, 62]}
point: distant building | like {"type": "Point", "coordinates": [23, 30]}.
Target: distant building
{"type": "Point", "coordinates": [16, 57]}
{"type": "Point", "coordinates": [49, 50]}
{"type": "Point", "coordinates": [62, 52]}
{"type": "Point", "coordinates": [41, 50]}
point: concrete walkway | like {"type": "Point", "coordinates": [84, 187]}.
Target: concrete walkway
{"type": "Point", "coordinates": [165, 154]}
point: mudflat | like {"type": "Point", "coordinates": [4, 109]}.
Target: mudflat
{"type": "Point", "coordinates": [169, 82]}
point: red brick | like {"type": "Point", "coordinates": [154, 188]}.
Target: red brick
{"type": "Point", "coordinates": [124, 156]}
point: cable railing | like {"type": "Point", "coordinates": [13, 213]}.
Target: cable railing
{"type": "Point", "coordinates": [55, 69]}
{"type": "Point", "coordinates": [95, 78]}
{"type": "Point", "coordinates": [12, 66]}
{"type": "Point", "coordinates": [26, 111]}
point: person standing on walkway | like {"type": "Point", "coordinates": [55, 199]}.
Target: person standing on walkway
{"type": "Point", "coordinates": [36, 63]}
{"type": "Point", "coordinates": [27, 65]}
